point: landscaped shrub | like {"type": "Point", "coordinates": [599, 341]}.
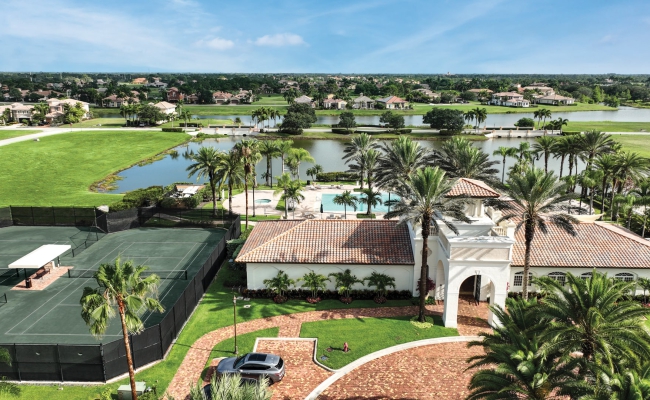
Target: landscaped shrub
{"type": "Point", "coordinates": [337, 176]}
{"type": "Point", "coordinates": [366, 216]}
{"type": "Point", "coordinates": [342, 131]}
{"type": "Point", "coordinates": [118, 206]}
{"type": "Point", "coordinates": [300, 294]}
{"type": "Point", "coordinates": [279, 285]}
{"type": "Point", "coordinates": [172, 129]}
{"type": "Point", "coordinates": [232, 245]}
{"type": "Point", "coordinates": [144, 197]}
{"type": "Point", "coordinates": [169, 202]}
{"type": "Point", "coordinates": [237, 265]}
{"type": "Point", "coordinates": [191, 202]}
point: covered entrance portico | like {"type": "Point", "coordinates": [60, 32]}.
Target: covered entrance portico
{"type": "Point", "coordinates": [480, 265]}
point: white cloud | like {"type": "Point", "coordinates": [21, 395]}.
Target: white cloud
{"type": "Point", "coordinates": [280, 39]}
{"type": "Point", "coordinates": [216, 43]}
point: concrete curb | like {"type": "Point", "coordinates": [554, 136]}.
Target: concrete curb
{"type": "Point", "coordinates": [338, 374]}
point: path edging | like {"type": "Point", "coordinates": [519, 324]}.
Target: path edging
{"type": "Point", "coordinates": [338, 374]}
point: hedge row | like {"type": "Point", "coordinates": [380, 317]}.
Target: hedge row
{"type": "Point", "coordinates": [172, 129]}
{"type": "Point", "coordinates": [336, 176]}
{"type": "Point", "coordinates": [232, 245]}
{"type": "Point", "coordinates": [363, 294]}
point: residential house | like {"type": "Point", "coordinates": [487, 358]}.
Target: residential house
{"type": "Point", "coordinates": [139, 81]}
{"type": "Point", "coordinates": [544, 90]}
{"type": "Point", "coordinates": [555, 99]}
{"type": "Point", "coordinates": [480, 261]}
{"type": "Point", "coordinates": [174, 95]}
{"type": "Point", "coordinates": [305, 100]}
{"type": "Point", "coordinates": [165, 107]}
{"type": "Point", "coordinates": [113, 101]}
{"type": "Point", "coordinates": [21, 112]}
{"type": "Point", "coordinates": [394, 103]}
{"type": "Point", "coordinates": [429, 93]}
{"type": "Point", "coordinates": [509, 99]}
{"type": "Point", "coordinates": [57, 108]}
{"type": "Point", "coordinates": [363, 103]}
{"type": "Point", "coordinates": [337, 104]}
{"type": "Point", "coordinates": [221, 97]}
{"type": "Point", "coordinates": [478, 91]}
{"type": "Point", "coordinates": [191, 99]}
{"type": "Point", "coordinates": [243, 97]}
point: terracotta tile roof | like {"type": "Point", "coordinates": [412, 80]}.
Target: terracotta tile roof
{"type": "Point", "coordinates": [391, 100]}
{"type": "Point", "coordinates": [328, 242]}
{"type": "Point", "coordinates": [597, 244]}
{"type": "Point", "coordinates": [472, 188]}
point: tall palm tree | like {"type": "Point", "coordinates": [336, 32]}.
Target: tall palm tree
{"type": "Point", "coordinates": [207, 162]}
{"type": "Point", "coordinates": [538, 116]}
{"type": "Point", "coordinates": [589, 180]}
{"type": "Point", "coordinates": [460, 159]}
{"type": "Point", "coordinates": [560, 122]}
{"type": "Point", "coordinates": [545, 113]}
{"type": "Point", "coordinates": [544, 145]}
{"type": "Point", "coordinates": [401, 157]}
{"type": "Point", "coordinates": [297, 156]}
{"type": "Point", "coordinates": [231, 171]}
{"type": "Point", "coordinates": [505, 152]}
{"type": "Point", "coordinates": [357, 148]}
{"type": "Point", "coordinates": [346, 199]}
{"type": "Point", "coordinates": [606, 164]}
{"type": "Point", "coordinates": [469, 116]}
{"type": "Point", "coordinates": [625, 203]}
{"type": "Point", "coordinates": [481, 115]}
{"type": "Point", "coordinates": [249, 152]}
{"type": "Point", "coordinates": [314, 171]}
{"type": "Point", "coordinates": [629, 166]}
{"type": "Point", "coordinates": [284, 146]}
{"type": "Point", "coordinates": [185, 115]}
{"type": "Point", "coordinates": [562, 149]}
{"type": "Point", "coordinates": [643, 191]}
{"type": "Point", "coordinates": [593, 317]}
{"type": "Point", "coordinates": [293, 194]}
{"type": "Point", "coordinates": [422, 197]}
{"type": "Point", "coordinates": [283, 183]}
{"type": "Point", "coordinates": [594, 143]}
{"type": "Point", "coordinates": [365, 165]}
{"type": "Point", "coordinates": [122, 289]}
{"type": "Point", "coordinates": [536, 198]}
{"type": "Point", "coordinates": [372, 198]}
{"type": "Point", "coordinates": [269, 149]}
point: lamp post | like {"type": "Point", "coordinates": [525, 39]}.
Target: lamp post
{"type": "Point", "coordinates": [234, 310]}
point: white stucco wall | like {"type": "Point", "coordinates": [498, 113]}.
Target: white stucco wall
{"type": "Point", "coordinates": [258, 272]}
{"type": "Point", "coordinates": [544, 271]}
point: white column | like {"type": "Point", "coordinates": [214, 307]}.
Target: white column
{"type": "Point", "coordinates": [440, 283]}
{"type": "Point", "coordinates": [450, 313]}
{"type": "Point", "coordinates": [498, 298]}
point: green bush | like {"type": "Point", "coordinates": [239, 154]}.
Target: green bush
{"type": "Point", "coordinates": [342, 131]}
{"type": "Point", "coordinates": [366, 216]}
{"type": "Point", "coordinates": [232, 245]}
{"type": "Point", "coordinates": [445, 132]}
{"type": "Point", "coordinates": [569, 133]}
{"type": "Point", "coordinates": [336, 176]}
{"type": "Point", "coordinates": [141, 197]}
{"type": "Point", "coordinates": [169, 202]}
{"type": "Point", "coordinates": [118, 206]}
{"type": "Point", "coordinates": [191, 202]}
{"type": "Point", "coordinates": [172, 129]}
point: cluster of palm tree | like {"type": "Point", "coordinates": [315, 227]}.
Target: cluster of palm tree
{"type": "Point", "coordinates": [478, 114]}
{"type": "Point", "coordinates": [542, 114]}
{"type": "Point", "coordinates": [620, 177]}
{"type": "Point", "coordinates": [585, 340]}
{"type": "Point", "coordinates": [265, 114]}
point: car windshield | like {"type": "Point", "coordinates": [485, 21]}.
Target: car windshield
{"type": "Point", "coordinates": [238, 362]}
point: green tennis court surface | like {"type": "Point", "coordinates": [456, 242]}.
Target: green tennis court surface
{"type": "Point", "coordinates": [53, 315]}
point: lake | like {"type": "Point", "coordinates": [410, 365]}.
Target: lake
{"type": "Point", "coordinates": [624, 114]}
{"type": "Point", "coordinates": [327, 153]}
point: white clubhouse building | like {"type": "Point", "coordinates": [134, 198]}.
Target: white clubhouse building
{"type": "Point", "coordinates": [484, 261]}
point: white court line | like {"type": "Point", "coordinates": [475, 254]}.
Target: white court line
{"type": "Point", "coordinates": [61, 291]}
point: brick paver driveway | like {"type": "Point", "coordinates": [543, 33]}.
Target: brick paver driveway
{"type": "Point", "coordinates": [470, 322]}
{"type": "Point", "coordinates": [428, 372]}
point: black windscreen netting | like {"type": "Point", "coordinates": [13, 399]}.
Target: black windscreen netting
{"type": "Point", "coordinates": [9, 371]}
{"type": "Point", "coordinates": [82, 372]}
{"type": "Point", "coordinates": [5, 217]}
{"type": "Point", "coordinates": [146, 338]}
{"type": "Point", "coordinates": [22, 215]}
{"type": "Point", "coordinates": [71, 354]}
{"type": "Point", "coordinates": [115, 368]}
{"type": "Point", "coordinates": [40, 371]}
{"type": "Point", "coordinates": [179, 313]}
{"type": "Point", "coordinates": [147, 355]}
{"type": "Point", "coordinates": [122, 220]}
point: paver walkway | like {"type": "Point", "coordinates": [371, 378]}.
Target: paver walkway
{"type": "Point", "coordinates": [469, 323]}
{"type": "Point", "coordinates": [428, 372]}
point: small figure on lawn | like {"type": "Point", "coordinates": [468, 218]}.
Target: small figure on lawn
{"type": "Point", "coordinates": [345, 347]}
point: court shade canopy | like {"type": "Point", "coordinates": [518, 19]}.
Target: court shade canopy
{"type": "Point", "coordinates": [41, 256]}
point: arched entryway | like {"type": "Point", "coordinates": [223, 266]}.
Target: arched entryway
{"type": "Point", "coordinates": [470, 289]}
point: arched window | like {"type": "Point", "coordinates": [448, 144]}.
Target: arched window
{"type": "Point", "coordinates": [585, 276]}
{"type": "Point", "coordinates": [625, 277]}
{"type": "Point", "coordinates": [519, 279]}
{"type": "Point", "coordinates": [559, 277]}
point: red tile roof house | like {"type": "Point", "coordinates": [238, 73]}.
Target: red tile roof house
{"type": "Point", "coordinates": [394, 103]}
{"type": "Point", "coordinates": [484, 261]}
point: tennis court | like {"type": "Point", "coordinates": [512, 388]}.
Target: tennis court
{"type": "Point", "coordinates": [53, 314]}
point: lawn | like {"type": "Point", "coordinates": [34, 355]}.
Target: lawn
{"type": "Point", "coordinates": [214, 312]}
{"type": "Point", "coordinates": [11, 133]}
{"type": "Point", "coordinates": [58, 170]}
{"type": "Point", "coordinates": [365, 336]}
{"type": "Point", "coordinates": [636, 143]}
{"type": "Point", "coordinates": [100, 123]}
{"type": "Point", "coordinates": [607, 126]}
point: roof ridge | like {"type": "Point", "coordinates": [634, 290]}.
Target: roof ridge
{"type": "Point", "coordinates": [619, 230]}
{"type": "Point", "coordinates": [273, 239]}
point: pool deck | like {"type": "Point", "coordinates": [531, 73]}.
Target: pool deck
{"type": "Point", "coordinates": [311, 204]}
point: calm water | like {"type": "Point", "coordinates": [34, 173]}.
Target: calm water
{"type": "Point", "coordinates": [327, 200]}
{"type": "Point", "coordinates": [326, 152]}
{"type": "Point", "coordinates": [626, 114]}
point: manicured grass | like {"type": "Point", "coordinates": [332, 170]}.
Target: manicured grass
{"type": "Point", "coordinates": [637, 143]}
{"type": "Point", "coordinates": [210, 121]}
{"type": "Point", "coordinates": [8, 134]}
{"type": "Point", "coordinates": [245, 344]}
{"type": "Point", "coordinates": [365, 336]}
{"type": "Point", "coordinates": [100, 123]}
{"type": "Point", "coordinates": [607, 126]}
{"type": "Point", "coordinates": [58, 170]}
{"type": "Point", "coordinates": [214, 312]}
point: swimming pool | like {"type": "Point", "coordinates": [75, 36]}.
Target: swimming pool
{"type": "Point", "coordinates": [328, 203]}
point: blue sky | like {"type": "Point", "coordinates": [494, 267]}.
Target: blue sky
{"type": "Point", "coordinates": [428, 36]}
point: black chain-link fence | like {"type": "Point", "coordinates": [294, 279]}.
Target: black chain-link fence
{"type": "Point", "coordinates": [53, 216]}
{"type": "Point", "coordinates": [99, 363]}
{"type": "Point", "coordinates": [5, 217]}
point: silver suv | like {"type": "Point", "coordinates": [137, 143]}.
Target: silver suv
{"type": "Point", "coordinates": [254, 366]}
